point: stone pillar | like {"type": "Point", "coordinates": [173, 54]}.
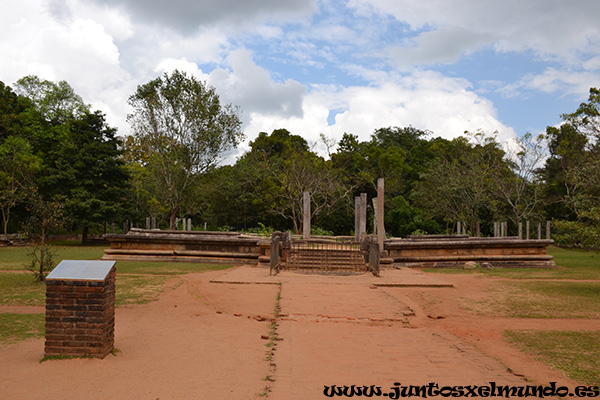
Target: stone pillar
{"type": "Point", "coordinates": [306, 216]}
{"type": "Point", "coordinates": [539, 231]}
{"type": "Point", "coordinates": [125, 227]}
{"type": "Point", "coordinates": [520, 230]}
{"type": "Point", "coordinates": [380, 213]}
{"type": "Point", "coordinates": [375, 216]}
{"type": "Point", "coordinates": [80, 309]}
{"type": "Point", "coordinates": [548, 230]}
{"type": "Point", "coordinates": [363, 214]}
{"type": "Point", "coordinates": [357, 218]}
{"type": "Point", "coordinates": [502, 231]}
{"type": "Point", "coordinates": [189, 224]}
{"type": "Point", "coordinates": [147, 223]}
{"type": "Point", "coordinates": [458, 228]}
{"type": "Point", "coordinates": [527, 230]}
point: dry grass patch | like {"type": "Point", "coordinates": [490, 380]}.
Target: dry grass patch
{"type": "Point", "coordinates": [577, 354]}
{"type": "Point", "coordinates": [16, 327]}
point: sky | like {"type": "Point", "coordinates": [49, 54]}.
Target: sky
{"type": "Point", "coordinates": [318, 66]}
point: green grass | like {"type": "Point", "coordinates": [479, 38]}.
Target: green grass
{"type": "Point", "coordinates": [577, 354]}
{"type": "Point", "coordinates": [15, 257]}
{"type": "Point", "coordinates": [165, 268]}
{"type": "Point", "coordinates": [138, 289]}
{"type": "Point", "coordinates": [20, 289]}
{"type": "Point", "coordinates": [548, 299]}
{"type": "Point", "coordinates": [16, 327]}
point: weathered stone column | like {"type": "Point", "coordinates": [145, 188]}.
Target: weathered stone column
{"type": "Point", "coordinates": [357, 218]}
{"type": "Point", "coordinates": [527, 230]}
{"type": "Point", "coordinates": [363, 214]}
{"type": "Point", "coordinates": [380, 213]}
{"type": "Point", "coordinates": [306, 216]}
{"type": "Point", "coordinates": [520, 230]}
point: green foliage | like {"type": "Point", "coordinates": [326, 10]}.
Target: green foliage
{"type": "Point", "coordinates": [182, 131]}
{"type": "Point", "coordinates": [262, 230]}
{"type": "Point", "coordinates": [18, 165]}
{"type": "Point", "coordinates": [41, 261]}
{"type": "Point", "coordinates": [575, 234]}
{"type": "Point", "coordinates": [317, 231]}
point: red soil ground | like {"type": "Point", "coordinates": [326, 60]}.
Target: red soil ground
{"type": "Point", "coordinates": [208, 340]}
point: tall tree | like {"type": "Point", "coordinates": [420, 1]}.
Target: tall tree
{"type": "Point", "coordinates": [183, 128]}
{"type": "Point", "coordinates": [89, 172]}
{"type": "Point", "coordinates": [18, 165]}
{"type": "Point", "coordinates": [517, 179]}
{"type": "Point", "coordinates": [459, 184]}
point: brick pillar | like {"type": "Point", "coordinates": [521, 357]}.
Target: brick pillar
{"type": "Point", "coordinates": [80, 308]}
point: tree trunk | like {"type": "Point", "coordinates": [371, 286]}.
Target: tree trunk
{"type": "Point", "coordinates": [5, 217]}
{"type": "Point", "coordinates": [173, 220]}
{"type": "Point", "coordinates": [84, 235]}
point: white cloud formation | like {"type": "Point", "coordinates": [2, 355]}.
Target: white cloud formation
{"type": "Point", "coordinates": [425, 100]}
{"type": "Point", "coordinates": [558, 30]}
{"type": "Point", "coordinates": [186, 16]}
{"type": "Point", "coordinates": [553, 80]}
{"type": "Point", "coordinates": [254, 89]}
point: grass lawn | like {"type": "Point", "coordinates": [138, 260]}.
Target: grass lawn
{"type": "Point", "coordinates": [574, 353]}
{"type": "Point", "coordinates": [15, 257]}
{"type": "Point", "coordinates": [548, 299]}
{"type": "Point", "coordinates": [15, 327]}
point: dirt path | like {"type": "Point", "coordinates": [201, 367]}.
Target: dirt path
{"type": "Point", "coordinates": [363, 335]}
{"type": "Point", "coordinates": [206, 340]}
{"type": "Point", "coordinates": [187, 345]}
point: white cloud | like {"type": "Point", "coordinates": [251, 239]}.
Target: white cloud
{"type": "Point", "coordinates": [553, 80]}
{"type": "Point", "coordinates": [186, 16]}
{"type": "Point", "coordinates": [253, 88]}
{"type": "Point", "coordinates": [445, 45]}
{"type": "Point", "coordinates": [560, 30]}
{"type": "Point", "coordinates": [425, 100]}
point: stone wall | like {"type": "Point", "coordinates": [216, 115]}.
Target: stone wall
{"type": "Point", "coordinates": [451, 251]}
{"type": "Point", "coordinates": [191, 246]}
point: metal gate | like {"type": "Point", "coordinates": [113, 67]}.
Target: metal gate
{"type": "Point", "coordinates": [322, 256]}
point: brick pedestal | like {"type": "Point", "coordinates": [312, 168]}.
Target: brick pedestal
{"type": "Point", "coordinates": [80, 308]}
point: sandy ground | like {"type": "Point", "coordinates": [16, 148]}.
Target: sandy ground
{"type": "Point", "coordinates": [206, 337]}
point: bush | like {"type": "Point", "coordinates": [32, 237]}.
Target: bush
{"type": "Point", "coordinates": [575, 234]}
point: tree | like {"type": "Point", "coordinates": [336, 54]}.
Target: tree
{"type": "Point", "coordinates": [517, 179]}
{"type": "Point", "coordinates": [45, 217]}
{"type": "Point", "coordinates": [89, 172]}
{"type": "Point", "coordinates": [17, 167]}
{"type": "Point", "coordinates": [284, 168]}
{"type": "Point", "coordinates": [459, 183]}
{"type": "Point", "coordinates": [184, 130]}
